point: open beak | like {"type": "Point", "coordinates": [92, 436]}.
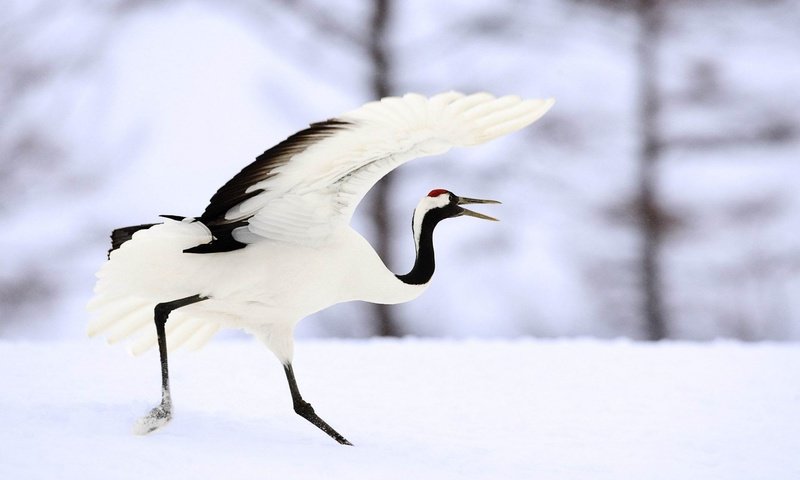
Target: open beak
{"type": "Point", "coordinates": [468, 201]}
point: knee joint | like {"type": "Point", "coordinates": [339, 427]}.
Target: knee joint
{"type": "Point", "coordinates": [162, 312]}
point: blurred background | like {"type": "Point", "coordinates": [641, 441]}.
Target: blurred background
{"type": "Point", "coordinates": [658, 199]}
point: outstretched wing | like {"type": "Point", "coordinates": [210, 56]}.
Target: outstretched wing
{"type": "Point", "coordinates": [309, 185]}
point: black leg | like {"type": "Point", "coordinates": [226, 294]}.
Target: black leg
{"type": "Point", "coordinates": [162, 414]}
{"type": "Point", "coordinates": [305, 410]}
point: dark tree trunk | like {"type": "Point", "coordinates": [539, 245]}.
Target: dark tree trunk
{"type": "Point", "coordinates": [650, 217]}
{"type": "Point", "coordinates": [381, 86]}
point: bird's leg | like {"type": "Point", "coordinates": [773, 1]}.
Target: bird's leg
{"type": "Point", "coordinates": [160, 415]}
{"type": "Point", "coordinates": [305, 410]}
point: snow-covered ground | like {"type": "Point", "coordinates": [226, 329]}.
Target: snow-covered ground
{"type": "Point", "coordinates": [414, 409]}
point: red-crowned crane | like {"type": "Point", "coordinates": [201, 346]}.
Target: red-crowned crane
{"type": "Point", "coordinates": [275, 243]}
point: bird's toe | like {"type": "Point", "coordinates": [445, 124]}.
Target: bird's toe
{"type": "Point", "coordinates": [157, 418]}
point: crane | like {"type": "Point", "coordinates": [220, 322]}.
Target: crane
{"type": "Point", "coordinates": [275, 244]}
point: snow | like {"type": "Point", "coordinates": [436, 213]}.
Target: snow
{"type": "Point", "coordinates": [413, 408]}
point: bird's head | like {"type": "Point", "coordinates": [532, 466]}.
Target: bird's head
{"type": "Point", "coordinates": [440, 204]}
{"type": "Point", "coordinates": [432, 209]}
{"type": "Point", "coordinates": [449, 205]}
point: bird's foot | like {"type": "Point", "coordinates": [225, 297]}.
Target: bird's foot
{"type": "Point", "coordinates": [157, 418]}
{"type": "Point", "coordinates": [305, 410]}
{"type": "Point", "coordinates": [341, 439]}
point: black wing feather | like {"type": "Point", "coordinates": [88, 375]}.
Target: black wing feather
{"type": "Point", "coordinates": [123, 234]}
{"type": "Point", "coordinates": [235, 191]}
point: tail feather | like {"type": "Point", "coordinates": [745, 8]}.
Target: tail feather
{"type": "Point", "coordinates": [129, 326]}
{"type": "Point", "coordinates": [144, 343]}
{"type": "Point", "coordinates": [149, 269]}
{"type": "Point", "coordinates": [122, 235]}
{"type": "Point", "coordinates": [107, 314]}
{"type": "Point", "coordinates": [182, 329]}
{"type": "Point", "coordinates": [184, 332]}
{"type": "Point", "coordinates": [202, 336]}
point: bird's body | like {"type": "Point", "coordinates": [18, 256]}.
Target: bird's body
{"type": "Point", "coordinates": [259, 288]}
{"type": "Point", "coordinates": [275, 243]}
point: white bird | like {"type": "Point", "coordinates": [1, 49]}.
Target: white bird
{"type": "Point", "coordinates": [275, 243]}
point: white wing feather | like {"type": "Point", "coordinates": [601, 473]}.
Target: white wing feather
{"type": "Point", "coordinates": [317, 191]}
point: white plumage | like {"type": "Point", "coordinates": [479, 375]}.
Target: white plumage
{"type": "Point", "coordinates": [316, 193]}
{"type": "Point", "coordinates": [275, 244]}
{"type": "Point", "coordinates": [265, 288]}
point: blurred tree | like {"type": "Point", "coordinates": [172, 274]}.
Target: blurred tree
{"type": "Point", "coordinates": [381, 86]}
{"type": "Point", "coordinates": [651, 217]}
{"type": "Point", "coordinates": [664, 27]}
{"type": "Point", "coordinates": [39, 82]}
{"type": "Point", "coordinates": [29, 74]}
{"type": "Point", "coordinates": [645, 212]}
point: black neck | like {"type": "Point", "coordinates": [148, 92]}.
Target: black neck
{"type": "Point", "coordinates": [425, 264]}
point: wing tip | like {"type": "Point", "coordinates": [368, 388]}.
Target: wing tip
{"type": "Point", "coordinates": [539, 107]}
{"type": "Point", "coordinates": [503, 116]}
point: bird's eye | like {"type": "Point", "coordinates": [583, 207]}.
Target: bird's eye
{"type": "Point", "coordinates": [437, 192]}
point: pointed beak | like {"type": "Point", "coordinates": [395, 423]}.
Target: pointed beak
{"type": "Point", "coordinates": [468, 201]}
